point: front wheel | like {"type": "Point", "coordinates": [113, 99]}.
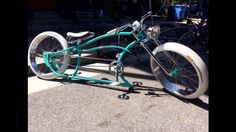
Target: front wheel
{"type": "Point", "coordinates": [189, 78]}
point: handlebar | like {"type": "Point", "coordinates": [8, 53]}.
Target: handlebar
{"type": "Point", "coordinates": [135, 25]}
{"type": "Point", "coordinates": [118, 29]}
{"type": "Point", "coordinates": [145, 16]}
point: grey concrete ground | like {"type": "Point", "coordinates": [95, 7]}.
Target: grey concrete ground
{"type": "Point", "coordinates": [79, 107]}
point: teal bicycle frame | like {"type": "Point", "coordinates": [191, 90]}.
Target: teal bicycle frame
{"type": "Point", "coordinates": [79, 48]}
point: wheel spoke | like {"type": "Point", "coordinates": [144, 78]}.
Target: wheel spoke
{"type": "Point", "coordinates": [38, 55]}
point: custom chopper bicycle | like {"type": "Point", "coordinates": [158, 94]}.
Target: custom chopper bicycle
{"type": "Point", "coordinates": [178, 68]}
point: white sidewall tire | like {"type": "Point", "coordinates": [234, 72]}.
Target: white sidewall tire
{"type": "Point", "coordinates": [62, 41]}
{"type": "Point", "coordinates": [196, 61]}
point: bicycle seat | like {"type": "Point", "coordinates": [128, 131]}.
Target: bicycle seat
{"type": "Point", "coordinates": [78, 35]}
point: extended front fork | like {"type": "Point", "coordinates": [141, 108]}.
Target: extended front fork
{"type": "Point", "coordinates": [172, 72]}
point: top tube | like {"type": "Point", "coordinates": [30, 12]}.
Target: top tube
{"type": "Point", "coordinates": [103, 36]}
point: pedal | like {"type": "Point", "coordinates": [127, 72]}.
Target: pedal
{"type": "Point", "coordinates": [137, 83]}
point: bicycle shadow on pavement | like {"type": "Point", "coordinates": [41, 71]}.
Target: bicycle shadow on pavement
{"type": "Point", "coordinates": [151, 91]}
{"type": "Point", "coordinates": [197, 102]}
{"type": "Point", "coordinates": [126, 73]}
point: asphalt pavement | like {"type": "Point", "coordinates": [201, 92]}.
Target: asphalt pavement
{"type": "Point", "coordinates": [76, 106]}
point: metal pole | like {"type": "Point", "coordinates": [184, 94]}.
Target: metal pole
{"type": "Point", "coordinates": [150, 7]}
{"type": "Point", "coordinates": [188, 9]}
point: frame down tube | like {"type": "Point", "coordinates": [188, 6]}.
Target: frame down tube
{"type": "Point", "coordinates": [125, 82]}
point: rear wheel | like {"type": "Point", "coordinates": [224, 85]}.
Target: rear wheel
{"type": "Point", "coordinates": [189, 77]}
{"type": "Point", "coordinates": [48, 42]}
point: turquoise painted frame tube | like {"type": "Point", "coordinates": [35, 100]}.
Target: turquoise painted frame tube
{"type": "Point", "coordinates": [80, 46]}
{"type": "Point", "coordinates": [80, 50]}
{"type": "Point", "coordinates": [102, 37]}
{"type": "Point", "coordinates": [104, 47]}
{"type": "Point", "coordinates": [127, 49]}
